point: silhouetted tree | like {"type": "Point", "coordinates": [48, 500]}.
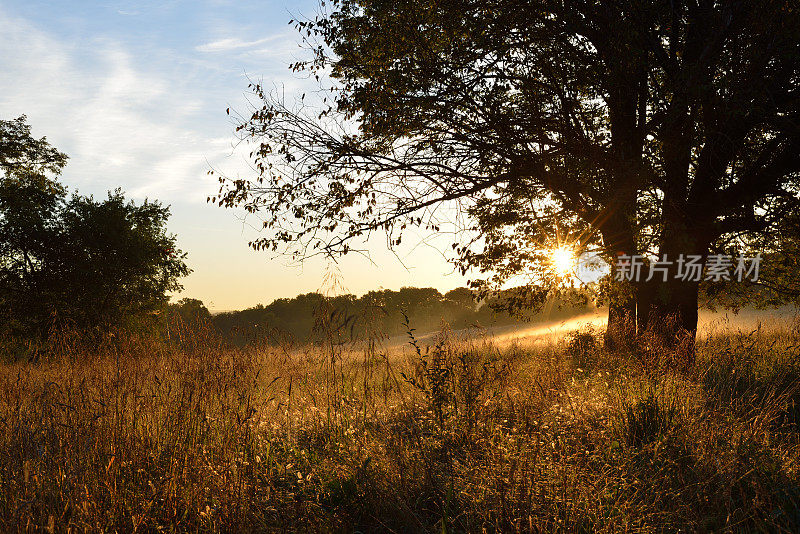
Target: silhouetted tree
{"type": "Point", "coordinates": [190, 310]}
{"type": "Point", "coordinates": [115, 259]}
{"type": "Point", "coordinates": [30, 198]}
{"type": "Point", "coordinates": [75, 260]}
{"type": "Point", "coordinates": [636, 127]}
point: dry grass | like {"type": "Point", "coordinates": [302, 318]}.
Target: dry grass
{"type": "Point", "coordinates": [139, 436]}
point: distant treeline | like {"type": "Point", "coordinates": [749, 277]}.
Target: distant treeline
{"type": "Point", "coordinates": [313, 316]}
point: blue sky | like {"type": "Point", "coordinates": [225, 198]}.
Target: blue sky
{"type": "Point", "coordinates": [136, 92]}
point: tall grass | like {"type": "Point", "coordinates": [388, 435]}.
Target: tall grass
{"type": "Point", "coordinates": [456, 436]}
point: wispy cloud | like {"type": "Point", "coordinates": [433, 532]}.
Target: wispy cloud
{"type": "Point", "coordinates": [234, 43]}
{"type": "Point", "coordinates": [124, 124]}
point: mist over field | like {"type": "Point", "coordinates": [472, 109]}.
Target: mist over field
{"type": "Point", "coordinates": [709, 323]}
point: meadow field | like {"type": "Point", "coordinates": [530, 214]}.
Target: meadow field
{"type": "Point", "coordinates": [446, 433]}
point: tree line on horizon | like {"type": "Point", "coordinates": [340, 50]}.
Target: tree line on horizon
{"type": "Point", "coordinates": [376, 314]}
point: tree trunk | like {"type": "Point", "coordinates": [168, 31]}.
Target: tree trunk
{"type": "Point", "coordinates": [668, 314]}
{"type": "Point", "coordinates": [676, 299]}
{"type": "Point", "coordinates": [618, 239]}
{"type": "Point", "coordinates": [671, 326]}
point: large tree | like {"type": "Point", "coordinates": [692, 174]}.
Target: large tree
{"type": "Point", "coordinates": [633, 126]}
{"type": "Point", "coordinates": [73, 260]}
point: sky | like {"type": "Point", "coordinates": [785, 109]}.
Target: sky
{"type": "Point", "coordinates": [136, 92]}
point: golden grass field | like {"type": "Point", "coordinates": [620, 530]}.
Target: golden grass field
{"type": "Point", "coordinates": [471, 434]}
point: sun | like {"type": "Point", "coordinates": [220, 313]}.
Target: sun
{"type": "Point", "coordinates": [562, 261]}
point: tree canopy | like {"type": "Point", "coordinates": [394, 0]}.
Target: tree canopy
{"type": "Point", "coordinates": [73, 260]}
{"type": "Point", "coordinates": [646, 127]}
